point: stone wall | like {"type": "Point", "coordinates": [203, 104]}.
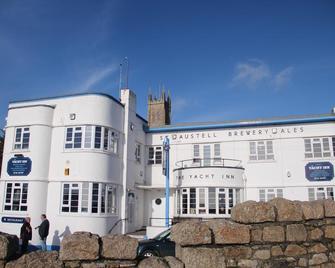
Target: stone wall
{"type": "Point", "coordinates": [279, 233]}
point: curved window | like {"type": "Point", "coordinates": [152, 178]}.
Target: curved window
{"type": "Point", "coordinates": [91, 137]}
{"type": "Point", "coordinates": [89, 198]}
{"type": "Point", "coordinates": [202, 202]}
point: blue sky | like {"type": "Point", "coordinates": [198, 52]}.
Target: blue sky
{"type": "Point", "coordinates": [222, 60]}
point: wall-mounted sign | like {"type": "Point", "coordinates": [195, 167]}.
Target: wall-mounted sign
{"type": "Point", "coordinates": [19, 166]}
{"type": "Point", "coordinates": [12, 219]}
{"type": "Point", "coordinates": [319, 171]}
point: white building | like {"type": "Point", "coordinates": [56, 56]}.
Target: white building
{"type": "Point", "coordinates": [91, 163]}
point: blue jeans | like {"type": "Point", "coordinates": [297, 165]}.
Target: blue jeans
{"type": "Point", "coordinates": [43, 244]}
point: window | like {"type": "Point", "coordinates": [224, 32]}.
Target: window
{"type": "Point", "coordinates": [193, 201]}
{"type": "Point", "coordinates": [210, 153]}
{"type": "Point", "coordinates": [207, 155]}
{"type": "Point", "coordinates": [22, 137]}
{"type": "Point", "coordinates": [138, 153]}
{"type": "Point", "coordinates": [202, 201]}
{"type": "Point", "coordinates": [91, 137]}
{"type": "Point", "coordinates": [85, 197]}
{"type": "Point", "coordinates": [88, 137]}
{"type": "Point", "coordinates": [210, 201]}
{"type": "Point", "coordinates": [319, 193]}
{"type": "Point", "coordinates": [217, 153]}
{"type": "Point", "coordinates": [319, 147]}
{"type": "Point", "coordinates": [16, 196]}
{"type": "Point", "coordinates": [73, 137]}
{"type": "Point", "coordinates": [106, 134]}
{"type": "Point", "coordinates": [196, 153]}
{"type": "Point", "coordinates": [113, 142]}
{"type": "Point", "coordinates": [268, 194]}
{"type": "Point", "coordinates": [155, 155]}
{"type": "Point", "coordinates": [261, 150]}
{"type": "Point", "coordinates": [97, 140]}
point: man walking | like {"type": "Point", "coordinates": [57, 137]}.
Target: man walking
{"type": "Point", "coordinates": [43, 231]}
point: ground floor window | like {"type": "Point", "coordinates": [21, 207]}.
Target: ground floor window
{"type": "Point", "coordinates": [16, 196]}
{"type": "Point", "coordinates": [318, 193]}
{"type": "Point", "coordinates": [270, 193]}
{"type": "Point", "coordinates": [89, 197]}
{"type": "Point", "coordinates": [211, 201]}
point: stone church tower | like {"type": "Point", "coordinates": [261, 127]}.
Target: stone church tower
{"type": "Point", "coordinates": [159, 110]}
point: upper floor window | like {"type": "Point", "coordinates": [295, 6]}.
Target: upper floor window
{"type": "Point", "coordinates": [16, 196]}
{"type": "Point", "coordinates": [261, 150]}
{"type": "Point", "coordinates": [268, 194]}
{"type": "Point", "coordinates": [91, 137]}
{"type": "Point", "coordinates": [22, 137]}
{"type": "Point", "coordinates": [86, 197]}
{"type": "Point", "coordinates": [209, 152]}
{"type": "Point", "coordinates": [138, 153]}
{"type": "Point", "coordinates": [318, 193]}
{"type": "Point", "coordinates": [155, 155]}
{"type": "Point", "coordinates": [319, 147]}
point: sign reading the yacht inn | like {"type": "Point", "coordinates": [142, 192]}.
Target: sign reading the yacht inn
{"type": "Point", "coordinates": [19, 166]}
{"type": "Point", "coordinates": [319, 171]}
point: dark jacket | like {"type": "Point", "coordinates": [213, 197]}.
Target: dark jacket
{"type": "Point", "coordinates": [26, 231]}
{"type": "Point", "coordinates": [43, 229]}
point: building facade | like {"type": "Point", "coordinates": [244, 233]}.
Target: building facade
{"type": "Point", "coordinates": [91, 163]}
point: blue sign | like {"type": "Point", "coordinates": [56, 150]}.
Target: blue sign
{"type": "Point", "coordinates": [12, 219]}
{"type": "Point", "coordinates": [319, 171]}
{"type": "Point", "coordinates": [19, 166]}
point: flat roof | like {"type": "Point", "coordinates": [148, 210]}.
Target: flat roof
{"type": "Point", "coordinates": [70, 96]}
{"type": "Point", "coordinates": [274, 121]}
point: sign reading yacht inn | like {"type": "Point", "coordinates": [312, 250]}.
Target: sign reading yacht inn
{"type": "Point", "coordinates": [319, 171]}
{"type": "Point", "coordinates": [19, 166]}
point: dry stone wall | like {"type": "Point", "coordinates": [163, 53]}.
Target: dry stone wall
{"type": "Point", "coordinates": [279, 233]}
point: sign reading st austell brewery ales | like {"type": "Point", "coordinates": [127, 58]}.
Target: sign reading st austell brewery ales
{"type": "Point", "coordinates": [319, 171]}
{"type": "Point", "coordinates": [19, 166]}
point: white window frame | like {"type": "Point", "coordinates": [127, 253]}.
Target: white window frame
{"type": "Point", "coordinates": [267, 194]}
{"type": "Point", "coordinates": [106, 199]}
{"type": "Point", "coordinates": [206, 198]}
{"type": "Point", "coordinates": [96, 138]}
{"type": "Point", "coordinates": [22, 140]}
{"type": "Point", "coordinates": [256, 149]}
{"type": "Point", "coordinates": [11, 199]}
{"type": "Point", "coordinates": [319, 147]}
{"type": "Point", "coordinates": [320, 193]}
{"type": "Point", "coordinates": [155, 155]}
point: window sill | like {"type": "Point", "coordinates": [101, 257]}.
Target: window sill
{"type": "Point", "coordinates": [90, 151]}
{"type": "Point", "coordinates": [261, 161]}
{"type": "Point", "coordinates": [88, 215]}
{"type": "Point", "coordinates": [17, 151]}
{"type": "Point", "coordinates": [329, 158]}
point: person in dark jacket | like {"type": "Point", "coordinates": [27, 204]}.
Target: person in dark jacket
{"type": "Point", "coordinates": [25, 235]}
{"type": "Point", "coordinates": [43, 231]}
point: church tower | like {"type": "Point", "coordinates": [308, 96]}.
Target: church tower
{"type": "Point", "coordinates": [159, 110]}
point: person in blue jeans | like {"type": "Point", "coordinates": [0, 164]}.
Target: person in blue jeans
{"type": "Point", "coordinates": [43, 231]}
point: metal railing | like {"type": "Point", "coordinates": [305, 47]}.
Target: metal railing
{"type": "Point", "coordinates": [116, 223]}
{"type": "Point", "coordinates": [209, 162]}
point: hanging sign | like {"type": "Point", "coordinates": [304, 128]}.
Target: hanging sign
{"type": "Point", "coordinates": [319, 171]}
{"type": "Point", "coordinates": [19, 166]}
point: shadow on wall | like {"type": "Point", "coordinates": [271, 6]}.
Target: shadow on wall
{"type": "Point", "coordinates": [57, 237]}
